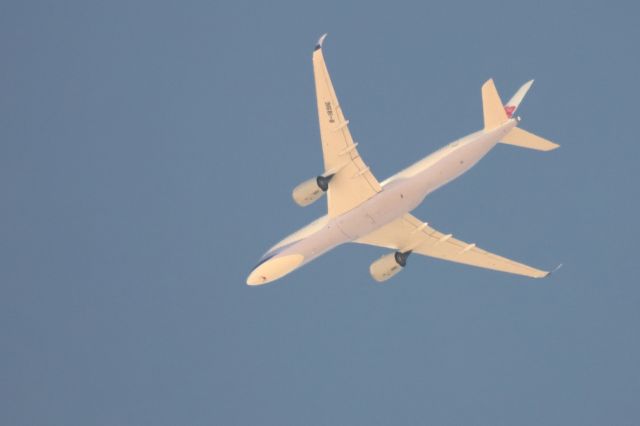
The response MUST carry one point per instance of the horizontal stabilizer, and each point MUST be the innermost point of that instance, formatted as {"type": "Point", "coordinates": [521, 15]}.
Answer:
{"type": "Point", "coordinates": [524, 139]}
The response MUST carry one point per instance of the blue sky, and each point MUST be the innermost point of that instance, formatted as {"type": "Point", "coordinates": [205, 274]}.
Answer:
{"type": "Point", "coordinates": [147, 155]}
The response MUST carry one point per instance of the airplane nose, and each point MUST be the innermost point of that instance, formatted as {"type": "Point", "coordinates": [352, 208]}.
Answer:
{"type": "Point", "coordinates": [274, 268]}
{"type": "Point", "coordinates": [256, 279]}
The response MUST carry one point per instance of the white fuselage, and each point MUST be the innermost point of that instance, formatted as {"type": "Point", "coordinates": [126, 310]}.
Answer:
{"type": "Point", "coordinates": [400, 194]}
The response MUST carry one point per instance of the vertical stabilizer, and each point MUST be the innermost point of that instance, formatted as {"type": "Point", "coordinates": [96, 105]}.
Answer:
{"type": "Point", "coordinates": [514, 102]}
{"type": "Point", "coordinates": [492, 108]}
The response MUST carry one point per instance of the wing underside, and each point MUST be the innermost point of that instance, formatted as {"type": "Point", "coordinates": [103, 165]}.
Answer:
{"type": "Point", "coordinates": [409, 233]}
{"type": "Point", "coordinates": [352, 182]}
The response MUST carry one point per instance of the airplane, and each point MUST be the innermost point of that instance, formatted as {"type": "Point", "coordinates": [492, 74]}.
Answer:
{"type": "Point", "coordinates": [362, 210]}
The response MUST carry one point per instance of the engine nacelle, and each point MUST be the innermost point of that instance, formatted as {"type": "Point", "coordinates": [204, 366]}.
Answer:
{"type": "Point", "coordinates": [311, 190]}
{"type": "Point", "coordinates": [388, 265]}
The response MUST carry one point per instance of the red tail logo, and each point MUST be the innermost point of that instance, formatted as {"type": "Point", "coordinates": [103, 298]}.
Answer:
{"type": "Point", "coordinates": [509, 109]}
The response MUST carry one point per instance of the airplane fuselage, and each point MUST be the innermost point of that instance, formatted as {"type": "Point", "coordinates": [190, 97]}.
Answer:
{"type": "Point", "coordinates": [400, 194]}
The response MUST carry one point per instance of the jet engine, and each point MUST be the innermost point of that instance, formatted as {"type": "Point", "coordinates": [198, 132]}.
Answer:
{"type": "Point", "coordinates": [388, 265]}
{"type": "Point", "coordinates": [309, 191]}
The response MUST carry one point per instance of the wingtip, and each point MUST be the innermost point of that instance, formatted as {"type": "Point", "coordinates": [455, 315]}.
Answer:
{"type": "Point", "coordinates": [320, 41]}
{"type": "Point", "coordinates": [553, 271]}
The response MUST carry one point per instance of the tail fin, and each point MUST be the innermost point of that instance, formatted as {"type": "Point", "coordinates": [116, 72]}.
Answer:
{"type": "Point", "coordinates": [492, 108]}
{"type": "Point", "coordinates": [524, 139]}
{"type": "Point", "coordinates": [511, 106]}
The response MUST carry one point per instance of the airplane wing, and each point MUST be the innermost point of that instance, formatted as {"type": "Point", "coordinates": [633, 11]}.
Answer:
{"type": "Point", "coordinates": [352, 182]}
{"type": "Point", "coordinates": [409, 233]}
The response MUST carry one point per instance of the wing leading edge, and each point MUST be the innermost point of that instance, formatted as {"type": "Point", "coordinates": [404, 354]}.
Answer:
{"type": "Point", "coordinates": [409, 233]}
{"type": "Point", "coordinates": [352, 182]}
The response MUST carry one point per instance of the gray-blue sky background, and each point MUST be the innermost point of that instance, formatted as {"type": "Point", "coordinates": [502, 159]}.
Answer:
{"type": "Point", "coordinates": [147, 154]}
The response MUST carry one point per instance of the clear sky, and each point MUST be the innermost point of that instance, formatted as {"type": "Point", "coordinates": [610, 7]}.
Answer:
{"type": "Point", "coordinates": [147, 154]}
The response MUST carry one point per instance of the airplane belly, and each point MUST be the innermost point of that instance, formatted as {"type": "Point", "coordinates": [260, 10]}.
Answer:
{"type": "Point", "coordinates": [319, 243]}
{"type": "Point", "coordinates": [454, 164]}
{"type": "Point", "coordinates": [355, 223]}
{"type": "Point", "coordinates": [384, 207]}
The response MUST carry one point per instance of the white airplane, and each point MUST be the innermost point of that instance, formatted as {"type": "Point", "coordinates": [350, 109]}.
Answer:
{"type": "Point", "coordinates": [365, 211]}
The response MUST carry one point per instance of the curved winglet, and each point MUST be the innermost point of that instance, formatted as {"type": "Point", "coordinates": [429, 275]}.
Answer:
{"type": "Point", "coordinates": [554, 270]}
{"type": "Point", "coordinates": [320, 41]}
